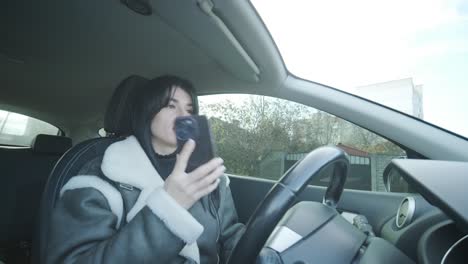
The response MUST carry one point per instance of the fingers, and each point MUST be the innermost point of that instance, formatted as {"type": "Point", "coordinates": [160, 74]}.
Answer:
{"type": "Point", "coordinates": [187, 189]}
{"type": "Point", "coordinates": [206, 168]}
{"type": "Point", "coordinates": [208, 189]}
{"type": "Point", "coordinates": [210, 178]}
{"type": "Point", "coordinates": [184, 156]}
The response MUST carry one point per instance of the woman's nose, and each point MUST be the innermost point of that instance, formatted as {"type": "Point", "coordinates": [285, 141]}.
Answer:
{"type": "Point", "coordinates": [183, 112]}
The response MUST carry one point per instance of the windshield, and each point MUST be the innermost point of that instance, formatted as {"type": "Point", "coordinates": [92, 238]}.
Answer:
{"type": "Point", "coordinates": [408, 55]}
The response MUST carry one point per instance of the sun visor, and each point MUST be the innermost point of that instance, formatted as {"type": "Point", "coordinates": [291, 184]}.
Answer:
{"type": "Point", "coordinates": [197, 20]}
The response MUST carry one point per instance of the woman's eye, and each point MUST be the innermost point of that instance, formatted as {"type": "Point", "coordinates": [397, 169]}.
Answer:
{"type": "Point", "coordinates": [171, 106]}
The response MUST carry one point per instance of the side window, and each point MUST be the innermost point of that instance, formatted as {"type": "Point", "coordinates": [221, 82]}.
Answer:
{"type": "Point", "coordinates": [263, 137]}
{"type": "Point", "coordinates": [20, 130]}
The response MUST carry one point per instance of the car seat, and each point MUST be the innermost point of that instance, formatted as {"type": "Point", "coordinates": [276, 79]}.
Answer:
{"type": "Point", "coordinates": [117, 125]}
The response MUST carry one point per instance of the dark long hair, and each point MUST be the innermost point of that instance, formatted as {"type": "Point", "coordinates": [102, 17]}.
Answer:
{"type": "Point", "coordinates": [149, 100]}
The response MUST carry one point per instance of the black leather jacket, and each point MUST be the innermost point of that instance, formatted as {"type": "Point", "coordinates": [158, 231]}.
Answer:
{"type": "Point", "coordinates": [116, 211]}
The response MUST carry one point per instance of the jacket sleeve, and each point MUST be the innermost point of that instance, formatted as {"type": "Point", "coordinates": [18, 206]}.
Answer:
{"type": "Point", "coordinates": [84, 230]}
{"type": "Point", "coordinates": [231, 228]}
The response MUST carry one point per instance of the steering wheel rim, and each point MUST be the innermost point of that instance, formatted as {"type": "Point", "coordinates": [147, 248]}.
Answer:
{"type": "Point", "coordinates": [283, 195]}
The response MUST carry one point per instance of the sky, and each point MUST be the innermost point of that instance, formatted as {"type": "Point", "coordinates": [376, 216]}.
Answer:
{"type": "Point", "coordinates": [345, 44]}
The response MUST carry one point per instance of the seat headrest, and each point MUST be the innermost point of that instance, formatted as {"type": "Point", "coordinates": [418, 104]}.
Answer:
{"type": "Point", "coordinates": [117, 118]}
{"type": "Point", "coordinates": [49, 144]}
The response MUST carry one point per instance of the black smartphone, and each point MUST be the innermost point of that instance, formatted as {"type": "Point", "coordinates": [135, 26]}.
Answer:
{"type": "Point", "coordinates": [197, 128]}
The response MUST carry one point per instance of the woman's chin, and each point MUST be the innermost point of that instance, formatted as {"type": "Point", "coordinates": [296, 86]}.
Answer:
{"type": "Point", "coordinates": [164, 148]}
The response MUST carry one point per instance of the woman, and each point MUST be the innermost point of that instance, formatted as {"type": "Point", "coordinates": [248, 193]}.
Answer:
{"type": "Point", "coordinates": [137, 204]}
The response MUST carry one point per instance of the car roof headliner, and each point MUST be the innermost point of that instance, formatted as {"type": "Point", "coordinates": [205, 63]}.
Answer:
{"type": "Point", "coordinates": [61, 60]}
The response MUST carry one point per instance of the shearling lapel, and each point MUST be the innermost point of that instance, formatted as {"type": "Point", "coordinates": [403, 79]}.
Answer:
{"type": "Point", "coordinates": [126, 162]}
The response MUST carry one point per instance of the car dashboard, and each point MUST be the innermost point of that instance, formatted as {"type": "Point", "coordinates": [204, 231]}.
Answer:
{"type": "Point", "coordinates": [431, 227]}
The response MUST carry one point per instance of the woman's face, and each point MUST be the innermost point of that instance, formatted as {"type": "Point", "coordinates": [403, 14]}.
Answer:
{"type": "Point", "coordinates": [162, 126]}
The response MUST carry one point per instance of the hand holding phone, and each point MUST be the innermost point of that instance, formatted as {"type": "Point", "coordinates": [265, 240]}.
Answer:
{"type": "Point", "coordinates": [188, 187]}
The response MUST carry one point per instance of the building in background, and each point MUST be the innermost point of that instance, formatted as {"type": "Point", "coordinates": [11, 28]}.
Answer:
{"type": "Point", "coordinates": [402, 95]}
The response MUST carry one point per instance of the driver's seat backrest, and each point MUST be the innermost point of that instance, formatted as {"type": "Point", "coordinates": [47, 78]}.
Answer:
{"type": "Point", "coordinates": [117, 125]}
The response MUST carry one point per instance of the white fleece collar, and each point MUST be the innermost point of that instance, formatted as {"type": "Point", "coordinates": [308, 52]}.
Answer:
{"type": "Point", "coordinates": [126, 162]}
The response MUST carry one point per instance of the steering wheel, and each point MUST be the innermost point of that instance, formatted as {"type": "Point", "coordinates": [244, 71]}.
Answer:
{"type": "Point", "coordinates": [283, 195]}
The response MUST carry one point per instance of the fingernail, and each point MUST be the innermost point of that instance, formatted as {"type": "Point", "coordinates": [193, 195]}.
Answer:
{"type": "Point", "coordinates": [190, 141]}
